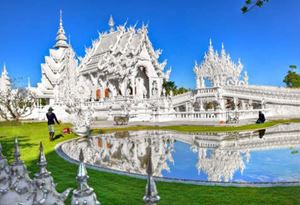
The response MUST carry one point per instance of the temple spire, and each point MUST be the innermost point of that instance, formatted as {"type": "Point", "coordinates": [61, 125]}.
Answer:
{"type": "Point", "coordinates": [151, 196]}
{"type": "Point", "coordinates": [42, 163]}
{"type": "Point", "coordinates": [17, 154]}
{"type": "Point", "coordinates": [61, 39]}
{"type": "Point", "coordinates": [223, 52]}
{"type": "Point", "coordinates": [210, 48]}
{"type": "Point", "coordinates": [83, 194]}
{"type": "Point", "coordinates": [4, 68]}
{"type": "Point", "coordinates": [1, 155]}
{"type": "Point", "coordinates": [111, 24]}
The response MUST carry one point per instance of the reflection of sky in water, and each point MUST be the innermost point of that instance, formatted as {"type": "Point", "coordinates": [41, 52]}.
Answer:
{"type": "Point", "coordinates": [272, 165]}
{"type": "Point", "coordinates": [184, 163]}
{"type": "Point", "coordinates": [264, 165]}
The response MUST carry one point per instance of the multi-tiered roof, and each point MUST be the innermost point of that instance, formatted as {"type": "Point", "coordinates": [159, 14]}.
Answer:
{"type": "Point", "coordinates": [117, 52]}
{"type": "Point", "coordinates": [59, 66]}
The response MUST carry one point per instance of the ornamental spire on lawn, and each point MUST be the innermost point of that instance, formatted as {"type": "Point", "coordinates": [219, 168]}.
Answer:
{"type": "Point", "coordinates": [151, 196]}
{"type": "Point", "coordinates": [61, 39]}
{"type": "Point", "coordinates": [1, 155]}
{"type": "Point", "coordinates": [17, 154]}
{"type": "Point", "coordinates": [83, 194]}
{"type": "Point", "coordinates": [45, 192]}
{"type": "Point", "coordinates": [42, 163]}
{"type": "Point", "coordinates": [4, 174]}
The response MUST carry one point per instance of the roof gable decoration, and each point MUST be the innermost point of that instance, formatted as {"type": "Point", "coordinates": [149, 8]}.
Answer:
{"type": "Point", "coordinates": [219, 69]}
{"type": "Point", "coordinates": [119, 50]}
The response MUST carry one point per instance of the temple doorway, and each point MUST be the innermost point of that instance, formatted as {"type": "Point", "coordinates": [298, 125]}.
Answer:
{"type": "Point", "coordinates": [106, 92]}
{"type": "Point", "coordinates": [98, 94]}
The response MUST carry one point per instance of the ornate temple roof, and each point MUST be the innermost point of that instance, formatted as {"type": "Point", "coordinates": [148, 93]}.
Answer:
{"type": "Point", "coordinates": [120, 49]}
{"type": "Point", "coordinates": [219, 69]}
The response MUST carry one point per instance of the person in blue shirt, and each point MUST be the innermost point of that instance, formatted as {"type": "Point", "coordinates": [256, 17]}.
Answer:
{"type": "Point", "coordinates": [51, 121]}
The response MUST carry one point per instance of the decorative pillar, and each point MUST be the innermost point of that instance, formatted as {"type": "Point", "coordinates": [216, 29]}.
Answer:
{"type": "Point", "coordinates": [83, 194]}
{"type": "Point", "coordinates": [243, 105]}
{"type": "Point", "coordinates": [201, 105]}
{"type": "Point", "coordinates": [222, 103]}
{"type": "Point", "coordinates": [151, 195]}
{"type": "Point", "coordinates": [45, 192]}
{"type": "Point", "coordinates": [263, 104]}
{"type": "Point", "coordinates": [235, 101]}
{"type": "Point", "coordinates": [4, 173]}
{"type": "Point", "coordinates": [21, 186]}
{"type": "Point", "coordinates": [250, 104]}
{"type": "Point", "coordinates": [150, 88]}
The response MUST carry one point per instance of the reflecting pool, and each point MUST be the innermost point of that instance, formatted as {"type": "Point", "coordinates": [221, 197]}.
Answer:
{"type": "Point", "coordinates": [270, 155]}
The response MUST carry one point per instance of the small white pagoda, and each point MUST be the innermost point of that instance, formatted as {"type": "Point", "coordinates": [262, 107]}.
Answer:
{"type": "Point", "coordinates": [5, 82]}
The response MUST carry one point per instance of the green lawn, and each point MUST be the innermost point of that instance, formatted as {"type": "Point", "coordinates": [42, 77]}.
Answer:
{"type": "Point", "coordinates": [114, 189]}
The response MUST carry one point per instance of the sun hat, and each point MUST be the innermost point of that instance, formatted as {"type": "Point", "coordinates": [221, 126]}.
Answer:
{"type": "Point", "coordinates": [50, 109]}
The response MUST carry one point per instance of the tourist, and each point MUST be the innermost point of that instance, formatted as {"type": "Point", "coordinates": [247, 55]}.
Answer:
{"type": "Point", "coordinates": [51, 117]}
{"type": "Point", "coordinates": [261, 118]}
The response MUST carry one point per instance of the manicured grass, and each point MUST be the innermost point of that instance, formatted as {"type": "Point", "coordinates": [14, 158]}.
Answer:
{"type": "Point", "coordinates": [113, 189]}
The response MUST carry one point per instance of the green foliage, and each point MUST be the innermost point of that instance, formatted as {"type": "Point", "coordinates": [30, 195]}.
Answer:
{"type": "Point", "coordinates": [292, 79]}
{"type": "Point", "coordinates": [43, 101]}
{"type": "Point", "coordinates": [170, 86]}
{"type": "Point", "coordinates": [180, 90]}
{"type": "Point", "coordinates": [249, 4]}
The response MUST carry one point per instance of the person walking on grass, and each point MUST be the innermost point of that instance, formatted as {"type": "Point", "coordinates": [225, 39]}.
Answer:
{"type": "Point", "coordinates": [51, 121]}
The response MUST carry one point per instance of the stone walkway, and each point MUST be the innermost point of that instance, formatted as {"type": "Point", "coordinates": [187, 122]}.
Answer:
{"type": "Point", "coordinates": [106, 124]}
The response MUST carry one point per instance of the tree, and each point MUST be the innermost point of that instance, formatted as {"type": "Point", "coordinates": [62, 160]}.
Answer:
{"type": "Point", "coordinates": [180, 90]}
{"type": "Point", "coordinates": [250, 4]}
{"type": "Point", "coordinates": [169, 86]}
{"type": "Point", "coordinates": [16, 103]}
{"type": "Point", "coordinates": [292, 79]}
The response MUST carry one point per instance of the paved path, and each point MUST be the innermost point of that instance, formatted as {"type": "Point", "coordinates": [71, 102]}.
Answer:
{"type": "Point", "coordinates": [102, 124]}
{"type": "Point", "coordinates": [105, 123]}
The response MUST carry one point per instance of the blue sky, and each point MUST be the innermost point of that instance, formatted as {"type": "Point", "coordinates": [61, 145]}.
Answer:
{"type": "Point", "coordinates": [266, 39]}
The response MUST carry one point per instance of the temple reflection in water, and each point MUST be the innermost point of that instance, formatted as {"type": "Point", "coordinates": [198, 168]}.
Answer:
{"type": "Point", "coordinates": [218, 156]}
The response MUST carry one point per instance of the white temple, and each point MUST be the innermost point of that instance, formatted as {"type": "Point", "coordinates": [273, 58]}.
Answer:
{"type": "Point", "coordinates": [121, 74]}
{"type": "Point", "coordinates": [120, 63]}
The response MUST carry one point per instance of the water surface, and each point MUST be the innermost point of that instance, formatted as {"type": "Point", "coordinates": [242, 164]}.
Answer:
{"type": "Point", "coordinates": [270, 155]}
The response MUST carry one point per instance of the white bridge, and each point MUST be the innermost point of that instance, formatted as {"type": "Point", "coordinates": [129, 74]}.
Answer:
{"type": "Point", "coordinates": [245, 100]}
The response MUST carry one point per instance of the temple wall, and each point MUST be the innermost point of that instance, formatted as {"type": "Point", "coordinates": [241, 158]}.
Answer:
{"type": "Point", "coordinates": [288, 111]}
